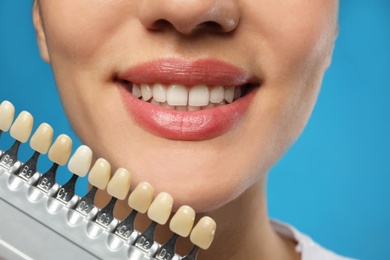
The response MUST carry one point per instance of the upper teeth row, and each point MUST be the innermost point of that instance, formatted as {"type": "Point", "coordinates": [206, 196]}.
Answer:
{"type": "Point", "coordinates": [179, 95]}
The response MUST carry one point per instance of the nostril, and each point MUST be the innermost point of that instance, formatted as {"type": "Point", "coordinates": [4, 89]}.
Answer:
{"type": "Point", "coordinates": [160, 25]}
{"type": "Point", "coordinates": [215, 16]}
{"type": "Point", "coordinates": [210, 26]}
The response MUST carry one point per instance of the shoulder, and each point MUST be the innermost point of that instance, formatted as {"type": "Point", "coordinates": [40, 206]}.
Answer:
{"type": "Point", "coordinates": [309, 249]}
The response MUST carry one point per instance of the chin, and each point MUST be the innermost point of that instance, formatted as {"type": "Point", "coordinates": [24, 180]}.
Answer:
{"type": "Point", "coordinates": [201, 193]}
{"type": "Point", "coordinates": [201, 184]}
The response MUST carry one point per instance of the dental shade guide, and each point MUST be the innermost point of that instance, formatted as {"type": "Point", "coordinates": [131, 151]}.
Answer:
{"type": "Point", "coordinates": [98, 177]}
{"type": "Point", "coordinates": [79, 165]}
{"type": "Point", "coordinates": [35, 205]}
{"type": "Point", "coordinates": [118, 187]}
{"type": "Point", "coordinates": [159, 212]}
{"type": "Point", "coordinates": [40, 142]}
{"type": "Point", "coordinates": [20, 131]}
{"type": "Point", "coordinates": [181, 225]}
{"type": "Point", "coordinates": [139, 200]}
{"type": "Point", "coordinates": [201, 236]}
{"type": "Point", "coordinates": [7, 113]}
{"type": "Point", "coordinates": [59, 154]}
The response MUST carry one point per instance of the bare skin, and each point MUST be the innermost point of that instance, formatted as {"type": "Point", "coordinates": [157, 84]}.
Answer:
{"type": "Point", "coordinates": [285, 47]}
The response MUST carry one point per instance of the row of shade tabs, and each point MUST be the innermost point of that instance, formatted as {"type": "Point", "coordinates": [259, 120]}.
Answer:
{"type": "Point", "coordinates": [140, 200]}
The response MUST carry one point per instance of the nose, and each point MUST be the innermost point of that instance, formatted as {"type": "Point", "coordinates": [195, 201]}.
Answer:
{"type": "Point", "coordinates": [189, 16]}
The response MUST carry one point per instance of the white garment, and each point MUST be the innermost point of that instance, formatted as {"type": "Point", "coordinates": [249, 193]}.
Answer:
{"type": "Point", "coordinates": [305, 245]}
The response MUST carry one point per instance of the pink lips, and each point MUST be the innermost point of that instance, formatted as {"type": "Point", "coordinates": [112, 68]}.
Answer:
{"type": "Point", "coordinates": [179, 125]}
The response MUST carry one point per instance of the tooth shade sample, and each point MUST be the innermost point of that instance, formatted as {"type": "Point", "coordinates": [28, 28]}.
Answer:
{"type": "Point", "coordinates": [100, 174]}
{"type": "Point", "coordinates": [177, 95]}
{"type": "Point", "coordinates": [136, 91]}
{"type": "Point", "coordinates": [217, 94]}
{"type": "Point", "coordinates": [7, 113]}
{"type": "Point", "coordinates": [81, 160]}
{"type": "Point", "coordinates": [199, 96]}
{"type": "Point", "coordinates": [203, 233]}
{"type": "Point", "coordinates": [119, 184]}
{"type": "Point", "coordinates": [161, 208]}
{"type": "Point", "coordinates": [229, 94]}
{"type": "Point", "coordinates": [146, 92]}
{"type": "Point", "coordinates": [183, 221]}
{"type": "Point", "coordinates": [60, 150]}
{"type": "Point", "coordinates": [159, 93]}
{"type": "Point", "coordinates": [141, 197]}
{"type": "Point", "coordinates": [22, 127]}
{"type": "Point", "coordinates": [42, 138]}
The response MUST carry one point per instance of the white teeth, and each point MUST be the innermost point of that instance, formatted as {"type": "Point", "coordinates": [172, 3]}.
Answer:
{"type": "Point", "coordinates": [199, 96]}
{"type": "Point", "coordinates": [7, 113]}
{"type": "Point", "coordinates": [81, 160]}
{"type": "Point", "coordinates": [136, 91]}
{"type": "Point", "coordinates": [229, 94]}
{"type": "Point", "coordinates": [177, 95]}
{"type": "Point", "coordinates": [166, 105]}
{"type": "Point", "coordinates": [217, 94]}
{"type": "Point", "coordinates": [181, 108]}
{"type": "Point", "coordinates": [159, 93]}
{"type": "Point", "coordinates": [210, 105]}
{"type": "Point", "coordinates": [22, 127]}
{"type": "Point", "coordinates": [192, 108]}
{"type": "Point", "coordinates": [146, 92]}
{"type": "Point", "coordinates": [154, 102]}
{"type": "Point", "coordinates": [42, 138]}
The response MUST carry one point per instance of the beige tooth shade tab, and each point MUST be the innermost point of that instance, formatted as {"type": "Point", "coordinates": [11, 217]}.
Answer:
{"type": "Point", "coordinates": [81, 160]}
{"type": "Point", "coordinates": [183, 221]}
{"type": "Point", "coordinates": [42, 138]}
{"type": "Point", "coordinates": [203, 233]}
{"type": "Point", "coordinates": [161, 208]}
{"type": "Point", "coordinates": [7, 113]}
{"type": "Point", "coordinates": [100, 174]}
{"type": "Point", "coordinates": [60, 150]}
{"type": "Point", "coordinates": [22, 127]}
{"type": "Point", "coordinates": [141, 197]}
{"type": "Point", "coordinates": [119, 184]}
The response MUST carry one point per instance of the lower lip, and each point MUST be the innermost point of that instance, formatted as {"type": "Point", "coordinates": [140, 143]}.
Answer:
{"type": "Point", "coordinates": [185, 126]}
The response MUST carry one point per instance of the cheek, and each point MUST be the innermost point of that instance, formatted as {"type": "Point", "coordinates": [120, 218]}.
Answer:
{"type": "Point", "coordinates": [293, 34]}
{"type": "Point", "coordinates": [295, 43]}
{"type": "Point", "coordinates": [78, 29]}
{"type": "Point", "coordinates": [80, 38]}
{"type": "Point", "coordinates": [291, 43]}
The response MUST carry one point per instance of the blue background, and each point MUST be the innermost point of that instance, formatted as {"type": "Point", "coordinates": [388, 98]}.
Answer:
{"type": "Point", "coordinates": [333, 184]}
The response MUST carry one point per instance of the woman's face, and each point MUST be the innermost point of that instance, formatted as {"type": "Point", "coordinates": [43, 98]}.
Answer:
{"type": "Point", "coordinates": [189, 52]}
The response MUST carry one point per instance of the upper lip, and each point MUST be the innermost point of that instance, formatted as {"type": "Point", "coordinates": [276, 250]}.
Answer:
{"type": "Point", "coordinates": [178, 71]}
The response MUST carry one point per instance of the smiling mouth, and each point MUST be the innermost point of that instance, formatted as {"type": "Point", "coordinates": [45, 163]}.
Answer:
{"type": "Point", "coordinates": [180, 97]}
{"type": "Point", "coordinates": [186, 100]}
